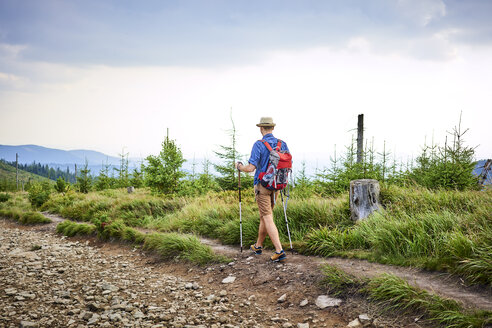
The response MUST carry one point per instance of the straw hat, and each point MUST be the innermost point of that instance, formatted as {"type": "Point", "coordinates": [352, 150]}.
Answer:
{"type": "Point", "coordinates": [266, 121]}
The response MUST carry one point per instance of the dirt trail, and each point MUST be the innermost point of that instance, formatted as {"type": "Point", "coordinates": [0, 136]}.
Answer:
{"type": "Point", "coordinates": [439, 283]}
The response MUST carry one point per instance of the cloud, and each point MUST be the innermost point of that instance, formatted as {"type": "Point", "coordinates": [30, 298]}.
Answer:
{"type": "Point", "coordinates": [422, 12]}
{"type": "Point", "coordinates": [11, 51]}
{"type": "Point", "coordinates": [222, 33]}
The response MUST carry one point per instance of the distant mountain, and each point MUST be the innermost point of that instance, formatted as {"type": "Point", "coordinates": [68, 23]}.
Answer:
{"type": "Point", "coordinates": [62, 159]}
{"type": "Point", "coordinates": [43, 155]}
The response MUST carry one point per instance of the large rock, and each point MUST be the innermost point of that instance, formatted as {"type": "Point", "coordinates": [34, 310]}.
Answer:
{"type": "Point", "coordinates": [364, 198]}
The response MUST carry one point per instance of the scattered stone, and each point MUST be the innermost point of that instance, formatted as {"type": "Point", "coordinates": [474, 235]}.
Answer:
{"type": "Point", "coordinates": [138, 315]}
{"type": "Point", "coordinates": [303, 325]}
{"type": "Point", "coordinates": [355, 323]}
{"type": "Point", "coordinates": [229, 280]}
{"type": "Point", "coordinates": [11, 291]}
{"type": "Point", "coordinates": [304, 302]}
{"type": "Point", "coordinates": [282, 298]}
{"type": "Point", "coordinates": [26, 324]}
{"type": "Point", "coordinates": [324, 301]}
{"type": "Point", "coordinates": [287, 325]}
{"type": "Point", "coordinates": [108, 287]}
{"type": "Point", "coordinates": [365, 320]}
{"type": "Point", "coordinates": [93, 307]}
{"type": "Point", "coordinates": [189, 285]}
{"type": "Point", "coordinates": [85, 315]}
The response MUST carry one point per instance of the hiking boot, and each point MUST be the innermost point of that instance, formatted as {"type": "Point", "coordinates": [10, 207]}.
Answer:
{"type": "Point", "coordinates": [256, 249]}
{"type": "Point", "coordinates": [277, 257]}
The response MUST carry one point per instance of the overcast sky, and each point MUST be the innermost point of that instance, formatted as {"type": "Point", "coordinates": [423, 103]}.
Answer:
{"type": "Point", "coordinates": [104, 75]}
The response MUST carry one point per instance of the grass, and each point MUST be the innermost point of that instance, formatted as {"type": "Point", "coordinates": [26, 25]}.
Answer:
{"type": "Point", "coordinates": [70, 228]}
{"type": "Point", "coordinates": [185, 247]}
{"type": "Point", "coordinates": [395, 294]}
{"type": "Point", "coordinates": [168, 245]}
{"type": "Point", "coordinates": [339, 283]}
{"type": "Point", "coordinates": [8, 181]}
{"type": "Point", "coordinates": [436, 230]}
{"type": "Point", "coordinates": [442, 230]}
{"type": "Point", "coordinates": [24, 217]}
{"type": "Point", "coordinates": [135, 209]}
{"type": "Point", "coordinates": [33, 218]}
{"type": "Point", "coordinates": [4, 196]}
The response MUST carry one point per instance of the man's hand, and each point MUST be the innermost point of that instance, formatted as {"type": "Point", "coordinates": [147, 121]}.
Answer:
{"type": "Point", "coordinates": [245, 168]}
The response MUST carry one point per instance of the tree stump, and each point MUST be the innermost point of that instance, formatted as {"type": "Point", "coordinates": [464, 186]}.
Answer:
{"type": "Point", "coordinates": [364, 198]}
{"type": "Point", "coordinates": [130, 189]}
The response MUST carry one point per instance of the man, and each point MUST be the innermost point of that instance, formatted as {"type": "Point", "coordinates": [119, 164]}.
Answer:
{"type": "Point", "coordinates": [265, 198]}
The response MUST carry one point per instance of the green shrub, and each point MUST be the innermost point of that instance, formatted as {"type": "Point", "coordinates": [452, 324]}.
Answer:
{"type": "Point", "coordinates": [62, 185]}
{"type": "Point", "coordinates": [39, 193]}
{"type": "Point", "coordinates": [33, 218]}
{"type": "Point", "coordinates": [4, 197]}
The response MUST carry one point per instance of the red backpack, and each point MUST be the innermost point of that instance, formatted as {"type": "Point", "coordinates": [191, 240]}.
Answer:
{"type": "Point", "coordinates": [279, 166]}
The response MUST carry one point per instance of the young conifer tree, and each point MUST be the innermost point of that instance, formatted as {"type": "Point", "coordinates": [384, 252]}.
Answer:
{"type": "Point", "coordinates": [104, 181]}
{"type": "Point", "coordinates": [228, 176]}
{"type": "Point", "coordinates": [84, 181]}
{"type": "Point", "coordinates": [163, 172]}
{"type": "Point", "coordinates": [123, 174]}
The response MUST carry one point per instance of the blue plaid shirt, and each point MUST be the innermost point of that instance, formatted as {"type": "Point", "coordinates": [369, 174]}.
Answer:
{"type": "Point", "coordinates": [260, 154]}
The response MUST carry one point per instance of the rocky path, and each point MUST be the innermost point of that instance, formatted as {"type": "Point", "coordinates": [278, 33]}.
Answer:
{"type": "Point", "coordinates": [49, 281]}
{"type": "Point", "coordinates": [439, 283]}
{"type": "Point", "coordinates": [445, 285]}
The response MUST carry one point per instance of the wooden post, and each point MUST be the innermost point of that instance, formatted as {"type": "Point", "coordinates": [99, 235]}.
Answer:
{"type": "Point", "coordinates": [17, 171]}
{"type": "Point", "coordinates": [360, 137]}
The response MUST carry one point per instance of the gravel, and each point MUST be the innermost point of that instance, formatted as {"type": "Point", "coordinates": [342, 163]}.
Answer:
{"type": "Point", "coordinates": [70, 284]}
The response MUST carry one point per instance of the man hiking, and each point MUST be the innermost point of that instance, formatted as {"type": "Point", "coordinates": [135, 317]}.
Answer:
{"type": "Point", "coordinates": [265, 198]}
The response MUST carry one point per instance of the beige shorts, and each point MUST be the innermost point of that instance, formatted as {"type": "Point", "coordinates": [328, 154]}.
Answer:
{"type": "Point", "coordinates": [265, 199]}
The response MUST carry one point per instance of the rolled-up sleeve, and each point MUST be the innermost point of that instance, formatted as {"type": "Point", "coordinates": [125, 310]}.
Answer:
{"type": "Point", "coordinates": [254, 159]}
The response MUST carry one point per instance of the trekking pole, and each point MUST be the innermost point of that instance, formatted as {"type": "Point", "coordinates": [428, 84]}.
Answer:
{"type": "Point", "coordinates": [284, 205]}
{"type": "Point", "coordinates": [240, 216]}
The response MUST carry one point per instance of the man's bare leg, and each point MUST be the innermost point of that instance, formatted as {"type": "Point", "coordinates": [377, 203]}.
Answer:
{"type": "Point", "coordinates": [262, 233]}
{"type": "Point", "coordinates": [271, 230]}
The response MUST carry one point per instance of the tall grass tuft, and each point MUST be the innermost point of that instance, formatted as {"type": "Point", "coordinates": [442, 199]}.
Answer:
{"type": "Point", "coordinates": [33, 218]}
{"type": "Point", "coordinates": [23, 217]}
{"type": "Point", "coordinates": [176, 246]}
{"type": "Point", "coordinates": [70, 228]}
{"type": "Point", "coordinates": [396, 294]}
{"type": "Point", "coordinates": [440, 230]}
{"type": "Point", "coordinates": [338, 282]}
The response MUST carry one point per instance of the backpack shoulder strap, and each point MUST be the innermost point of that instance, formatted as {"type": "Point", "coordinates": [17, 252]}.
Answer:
{"type": "Point", "coordinates": [279, 144]}
{"type": "Point", "coordinates": [266, 144]}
